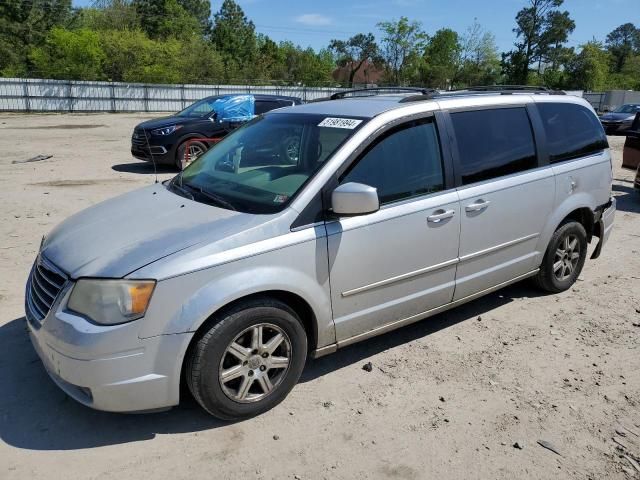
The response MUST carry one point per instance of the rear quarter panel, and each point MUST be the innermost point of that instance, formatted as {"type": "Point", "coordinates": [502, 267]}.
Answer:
{"type": "Point", "coordinates": [580, 183]}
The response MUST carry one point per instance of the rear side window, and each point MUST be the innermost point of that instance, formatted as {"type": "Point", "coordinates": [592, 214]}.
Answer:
{"type": "Point", "coordinates": [403, 163]}
{"type": "Point", "coordinates": [572, 131]}
{"type": "Point", "coordinates": [493, 143]}
{"type": "Point", "coordinates": [264, 106]}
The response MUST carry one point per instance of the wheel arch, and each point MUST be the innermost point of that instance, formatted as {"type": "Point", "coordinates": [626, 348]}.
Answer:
{"type": "Point", "coordinates": [579, 207]}
{"type": "Point", "coordinates": [298, 304]}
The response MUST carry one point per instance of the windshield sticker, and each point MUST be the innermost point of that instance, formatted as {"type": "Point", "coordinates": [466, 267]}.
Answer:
{"type": "Point", "coordinates": [333, 122]}
{"type": "Point", "coordinates": [280, 198]}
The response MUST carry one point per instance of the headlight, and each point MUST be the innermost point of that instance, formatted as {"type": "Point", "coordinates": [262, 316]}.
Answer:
{"type": "Point", "coordinates": [166, 130]}
{"type": "Point", "coordinates": [110, 302]}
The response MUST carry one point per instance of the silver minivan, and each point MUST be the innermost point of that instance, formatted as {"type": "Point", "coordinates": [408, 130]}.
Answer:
{"type": "Point", "coordinates": [311, 228]}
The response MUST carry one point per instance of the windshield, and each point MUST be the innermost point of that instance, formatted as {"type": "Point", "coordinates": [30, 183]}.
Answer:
{"type": "Point", "coordinates": [631, 108]}
{"type": "Point", "coordinates": [199, 109]}
{"type": "Point", "coordinates": [261, 166]}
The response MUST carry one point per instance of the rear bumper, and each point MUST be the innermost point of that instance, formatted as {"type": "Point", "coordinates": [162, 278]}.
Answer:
{"type": "Point", "coordinates": [604, 226]}
{"type": "Point", "coordinates": [109, 367]}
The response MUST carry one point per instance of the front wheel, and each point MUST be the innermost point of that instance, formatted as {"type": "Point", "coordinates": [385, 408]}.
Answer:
{"type": "Point", "coordinates": [248, 361]}
{"type": "Point", "coordinates": [185, 157]}
{"type": "Point", "coordinates": [564, 258]}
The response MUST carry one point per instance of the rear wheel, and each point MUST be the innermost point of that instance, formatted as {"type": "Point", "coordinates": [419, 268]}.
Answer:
{"type": "Point", "coordinates": [248, 361]}
{"type": "Point", "coordinates": [564, 258]}
{"type": "Point", "coordinates": [185, 156]}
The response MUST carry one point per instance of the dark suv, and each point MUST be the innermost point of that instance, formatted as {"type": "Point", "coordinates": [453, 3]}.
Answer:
{"type": "Point", "coordinates": [165, 140]}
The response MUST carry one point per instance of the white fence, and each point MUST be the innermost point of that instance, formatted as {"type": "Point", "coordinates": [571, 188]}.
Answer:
{"type": "Point", "coordinates": [37, 95]}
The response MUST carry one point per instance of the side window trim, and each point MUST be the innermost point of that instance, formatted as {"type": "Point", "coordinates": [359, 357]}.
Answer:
{"type": "Point", "coordinates": [457, 167]}
{"type": "Point", "coordinates": [389, 130]}
{"type": "Point", "coordinates": [539, 135]}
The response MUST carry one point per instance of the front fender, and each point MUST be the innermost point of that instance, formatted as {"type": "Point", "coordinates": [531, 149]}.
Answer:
{"type": "Point", "coordinates": [184, 303]}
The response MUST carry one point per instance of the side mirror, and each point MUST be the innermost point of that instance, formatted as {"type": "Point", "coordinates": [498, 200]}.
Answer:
{"type": "Point", "coordinates": [354, 199]}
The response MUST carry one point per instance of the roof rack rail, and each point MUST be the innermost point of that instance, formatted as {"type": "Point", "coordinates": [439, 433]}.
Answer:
{"type": "Point", "coordinates": [343, 94]}
{"type": "Point", "coordinates": [488, 89]}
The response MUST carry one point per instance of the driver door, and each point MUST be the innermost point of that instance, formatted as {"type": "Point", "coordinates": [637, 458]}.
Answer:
{"type": "Point", "coordinates": [400, 261]}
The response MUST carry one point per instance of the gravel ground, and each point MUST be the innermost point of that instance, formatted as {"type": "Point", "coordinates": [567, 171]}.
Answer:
{"type": "Point", "coordinates": [466, 394]}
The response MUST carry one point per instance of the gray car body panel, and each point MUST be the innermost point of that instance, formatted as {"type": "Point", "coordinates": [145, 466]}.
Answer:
{"type": "Point", "coordinates": [205, 258]}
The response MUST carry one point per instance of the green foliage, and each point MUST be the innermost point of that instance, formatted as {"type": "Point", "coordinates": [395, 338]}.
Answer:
{"type": "Point", "coordinates": [623, 43]}
{"type": "Point", "coordinates": [403, 44]}
{"type": "Point", "coordinates": [234, 36]}
{"type": "Point", "coordinates": [589, 70]}
{"type": "Point", "coordinates": [178, 41]}
{"type": "Point", "coordinates": [66, 54]}
{"type": "Point", "coordinates": [541, 30]}
{"type": "Point", "coordinates": [23, 24]}
{"type": "Point", "coordinates": [441, 59]}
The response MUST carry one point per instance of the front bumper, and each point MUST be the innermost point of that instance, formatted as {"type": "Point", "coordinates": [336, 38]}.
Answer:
{"type": "Point", "coordinates": [108, 367]}
{"type": "Point", "coordinates": [161, 154]}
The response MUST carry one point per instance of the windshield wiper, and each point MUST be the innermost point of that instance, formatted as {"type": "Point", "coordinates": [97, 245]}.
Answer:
{"type": "Point", "coordinates": [211, 196]}
{"type": "Point", "coordinates": [181, 189]}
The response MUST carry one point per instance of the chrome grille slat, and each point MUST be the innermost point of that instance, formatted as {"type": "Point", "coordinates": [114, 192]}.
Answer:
{"type": "Point", "coordinates": [45, 285]}
{"type": "Point", "coordinates": [48, 292]}
{"type": "Point", "coordinates": [35, 306]}
{"type": "Point", "coordinates": [48, 279]}
{"type": "Point", "coordinates": [39, 296]}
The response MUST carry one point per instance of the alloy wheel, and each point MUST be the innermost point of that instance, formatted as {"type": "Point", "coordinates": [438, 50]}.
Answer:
{"type": "Point", "coordinates": [255, 363]}
{"type": "Point", "coordinates": [566, 257]}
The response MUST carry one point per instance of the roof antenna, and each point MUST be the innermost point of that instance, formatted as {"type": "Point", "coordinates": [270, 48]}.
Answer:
{"type": "Point", "coordinates": [153, 160]}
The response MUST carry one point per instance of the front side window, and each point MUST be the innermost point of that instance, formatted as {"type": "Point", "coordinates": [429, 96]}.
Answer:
{"type": "Point", "coordinates": [261, 166]}
{"type": "Point", "coordinates": [199, 109]}
{"type": "Point", "coordinates": [572, 131]}
{"type": "Point", "coordinates": [404, 163]}
{"type": "Point", "coordinates": [493, 143]}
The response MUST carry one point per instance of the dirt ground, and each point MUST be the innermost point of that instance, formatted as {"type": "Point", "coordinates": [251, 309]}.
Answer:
{"type": "Point", "coordinates": [448, 398]}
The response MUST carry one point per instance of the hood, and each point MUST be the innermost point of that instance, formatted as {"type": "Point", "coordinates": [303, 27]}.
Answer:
{"type": "Point", "coordinates": [617, 116]}
{"type": "Point", "coordinates": [164, 122]}
{"type": "Point", "coordinates": [121, 235]}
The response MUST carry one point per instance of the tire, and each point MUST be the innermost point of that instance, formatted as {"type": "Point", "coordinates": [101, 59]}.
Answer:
{"type": "Point", "coordinates": [212, 356]}
{"type": "Point", "coordinates": [559, 271]}
{"type": "Point", "coordinates": [181, 161]}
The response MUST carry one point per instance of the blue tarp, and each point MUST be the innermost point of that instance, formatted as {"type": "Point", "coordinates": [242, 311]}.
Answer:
{"type": "Point", "coordinates": [234, 108]}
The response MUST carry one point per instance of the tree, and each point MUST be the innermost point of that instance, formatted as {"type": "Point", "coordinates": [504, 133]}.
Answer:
{"type": "Point", "coordinates": [590, 68]}
{"type": "Point", "coordinates": [24, 24]}
{"type": "Point", "coordinates": [403, 43]}
{"type": "Point", "coordinates": [622, 43]}
{"type": "Point", "coordinates": [169, 18]}
{"type": "Point", "coordinates": [479, 60]}
{"type": "Point", "coordinates": [538, 27]}
{"type": "Point", "coordinates": [109, 15]}
{"type": "Point", "coordinates": [233, 35]}
{"type": "Point", "coordinates": [355, 52]}
{"type": "Point", "coordinates": [441, 59]}
{"type": "Point", "coordinates": [65, 54]}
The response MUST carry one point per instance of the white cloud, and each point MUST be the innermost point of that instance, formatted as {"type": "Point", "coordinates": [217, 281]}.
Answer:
{"type": "Point", "coordinates": [314, 19]}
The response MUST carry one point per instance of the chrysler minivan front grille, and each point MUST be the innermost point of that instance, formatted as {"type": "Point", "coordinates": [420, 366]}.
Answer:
{"type": "Point", "coordinates": [45, 284]}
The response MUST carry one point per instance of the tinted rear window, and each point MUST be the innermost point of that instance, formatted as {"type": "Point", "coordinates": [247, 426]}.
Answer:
{"type": "Point", "coordinates": [572, 131]}
{"type": "Point", "coordinates": [264, 106]}
{"type": "Point", "coordinates": [493, 143]}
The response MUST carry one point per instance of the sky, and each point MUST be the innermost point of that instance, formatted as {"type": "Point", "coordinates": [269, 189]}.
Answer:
{"type": "Point", "coordinates": [315, 23]}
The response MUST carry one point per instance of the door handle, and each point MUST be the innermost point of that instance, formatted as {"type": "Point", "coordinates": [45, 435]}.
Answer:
{"type": "Point", "coordinates": [440, 215]}
{"type": "Point", "coordinates": [477, 206]}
